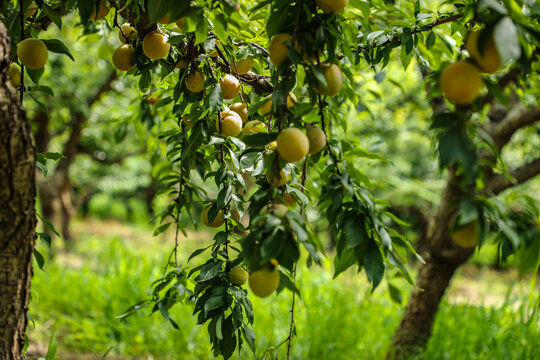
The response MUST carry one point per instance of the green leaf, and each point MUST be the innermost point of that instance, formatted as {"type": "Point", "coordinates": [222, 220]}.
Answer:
{"type": "Point", "coordinates": [506, 39]}
{"type": "Point", "coordinates": [260, 139]}
{"type": "Point", "coordinates": [210, 270]}
{"type": "Point", "coordinates": [455, 145]}
{"type": "Point", "coordinates": [214, 303]}
{"type": "Point", "coordinates": [39, 259]}
{"type": "Point", "coordinates": [249, 336]}
{"type": "Point", "coordinates": [201, 34]}
{"type": "Point", "coordinates": [430, 40]}
{"type": "Point", "coordinates": [49, 156]}
{"type": "Point", "coordinates": [57, 46]}
{"type": "Point", "coordinates": [35, 75]}
{"type": "Point", "coordinates": [160, 229]}
{"type": "Point", "coordinates": [395, 294]}
{"type": "Point", "coordinates": [374, 264]}
{"type": "Point", "coordinates": [196, 253]}
{"type": "Point", "coordinates": [144, 81]}
{"type": "Point", "coordinates": [48, 224]}
{"type": "Point", "coordinates": [343, 261]}
{"type": "Point", "coordinates": [85, 10]}
{"type": "Point", "coordinates": [215, 100]}
{"type": "Point", "coordinates": [444, 119]}
{"type": "Point", "coordinates": [157, 9]}
{"type": "Point", "coordinates": [354, 230]}
{"type": "Point", "coordinates": [56, 19]}
{"type": "Point", "coordinates": [53, 347]}
{"type": "Point", "coordinates": [45, 238]}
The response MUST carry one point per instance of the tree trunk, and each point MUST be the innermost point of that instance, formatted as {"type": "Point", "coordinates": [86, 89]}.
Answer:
{"type": "Point", "coordinates": [442, 258]}
{"type": "Point", "coordinates": [416, 324]}
{"type": "Point", "coordinates": [17, 212]}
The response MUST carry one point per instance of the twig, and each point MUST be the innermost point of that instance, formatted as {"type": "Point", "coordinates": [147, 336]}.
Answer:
{"type": "Point", "coordinates": [323, 127]}
{"type": "Point", "coordinates": [291, 328]}
{"type": "Point", "coordinates": [438, 22]}
{"type": "Point", "coordinates": [115, 24]}
{"type": "Point", "coordinates": [297, 21]}
{"type": "Point", "coordinates": [254, 45]}
{"type": "Point", "coordinates": [242, 98]}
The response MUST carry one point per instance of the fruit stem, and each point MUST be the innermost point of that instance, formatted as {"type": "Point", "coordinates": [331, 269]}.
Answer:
{"type": "Point", "coordinates": [115, 24]}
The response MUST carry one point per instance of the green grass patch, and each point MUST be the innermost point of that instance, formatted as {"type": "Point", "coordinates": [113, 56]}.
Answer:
{"type": "Point", "coordinates": [82, 293]}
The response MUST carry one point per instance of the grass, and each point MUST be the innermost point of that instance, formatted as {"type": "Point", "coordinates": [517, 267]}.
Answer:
{"type": "Point", "coordinates": [111, 267]}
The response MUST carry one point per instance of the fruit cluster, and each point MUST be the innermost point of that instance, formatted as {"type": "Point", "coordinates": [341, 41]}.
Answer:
{"type": "Point", "coordinates": [461, 81]}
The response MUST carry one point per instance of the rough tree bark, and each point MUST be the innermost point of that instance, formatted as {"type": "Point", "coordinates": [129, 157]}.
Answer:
{"type": "Point", "coordinates": [442, 259]}
{"type": "Point", "coordinates": [442, 256]}
{"type": "Point", "coordinates": [17, 212]}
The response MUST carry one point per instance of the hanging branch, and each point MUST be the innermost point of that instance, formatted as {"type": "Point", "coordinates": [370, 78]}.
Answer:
{"type": "Point", "coordinates": [292, 326]}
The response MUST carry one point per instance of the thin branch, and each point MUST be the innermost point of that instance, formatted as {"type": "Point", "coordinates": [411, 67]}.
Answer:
{"type": "Point", "coordinates": [440, 21]}
{"type": "Point", "coordinates": [117, 160]}
{"type": "Point", "coordinates": [291, 328]}
{"type": "Point", "coordinates": [257, 82]}
{"type": "Point", "coordinates": [323, 128]}
{"type": "Point", "coordinates": [254, 45]}
{"type": "Point", "coordinates": [519, 175]}
{"type": "Point", "coordinates": [78, 120]}
{"type": "Point", "coordinates": [106, 86]}
{"type": "Point", "coordinates": [517, 118]}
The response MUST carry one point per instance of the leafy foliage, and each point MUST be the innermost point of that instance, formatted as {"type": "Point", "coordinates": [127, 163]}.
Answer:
{"type": "Point", "coordinates": [210, 38]}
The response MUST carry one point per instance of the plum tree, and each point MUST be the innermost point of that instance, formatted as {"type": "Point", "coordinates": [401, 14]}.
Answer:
{"type": "Point", "coordinates": [330, 55]}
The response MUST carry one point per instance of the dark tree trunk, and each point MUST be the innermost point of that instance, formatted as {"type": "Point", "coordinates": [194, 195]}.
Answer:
{"type": "Point", "coordinates": [17, 212]}
{"type": "Point", "coordinates": [416, 324]}
{"type": "Point", "coordinates": [442, 258]}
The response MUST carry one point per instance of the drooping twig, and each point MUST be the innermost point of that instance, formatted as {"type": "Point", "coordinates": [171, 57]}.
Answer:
{"type": "Point", "coordinates": [323, 128]}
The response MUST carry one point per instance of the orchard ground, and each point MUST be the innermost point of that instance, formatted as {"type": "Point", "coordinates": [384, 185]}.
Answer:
{"type": "Point", "coordinates": [489, 313]}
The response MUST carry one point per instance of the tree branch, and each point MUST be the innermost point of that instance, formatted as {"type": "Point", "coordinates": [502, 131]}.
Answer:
{"type": "Point", "coordinates": [81, 149]}
{"type": "Point", "coordinates": [517, 118]}
{"type": "Point", "coordinates": [417, 29]}
{"type": "Point", "coordinates": [257, 82]}
{"type": "Point", "coordinates": [78, 120]}
{"type": "Point", "coordinates": [519, 175]}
